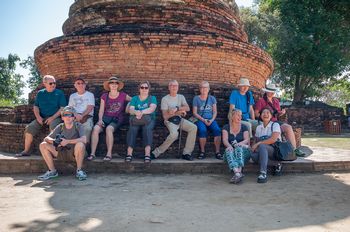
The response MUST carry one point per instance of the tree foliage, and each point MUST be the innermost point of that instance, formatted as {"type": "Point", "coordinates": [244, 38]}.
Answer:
{"type": "Point", "coordinates": [308, 40]}
{"type": "Point", "coordinates": [11, 83]}
{"type": "Point", "coordinates": [34, 78]}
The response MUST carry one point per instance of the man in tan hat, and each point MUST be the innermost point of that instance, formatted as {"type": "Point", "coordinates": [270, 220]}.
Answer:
{"type": "Point", "coordinates": [69, 138]}
{"type": "Point", "coordinates": [243, 100]}
{"type": "Point", "coordinates": [83, 103]}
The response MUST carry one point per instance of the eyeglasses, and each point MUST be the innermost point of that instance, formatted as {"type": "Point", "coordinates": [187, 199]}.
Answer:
{"type": "Point", "coordinates": [68, 115]}
{"type": "Point", "coordinates": [143, 87]}
{"type": "Point", "coordinates": [114, 82]}
{"type": "Point", "coordinates": [51, 83]}
{"type": "Point", "coordinates": [80, 83]}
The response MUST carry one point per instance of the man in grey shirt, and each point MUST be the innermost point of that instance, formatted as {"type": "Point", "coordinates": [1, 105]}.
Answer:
{"type": "Point", "coordinates": [174, 107]}
{"type": "Point", "coordinates": [69, 138]}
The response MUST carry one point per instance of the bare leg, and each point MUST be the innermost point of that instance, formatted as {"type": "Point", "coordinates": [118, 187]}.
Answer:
{"type": "Point", "coordinates": [202, 142]}
{"type": "Point", "coordinates": [28, 140]}
{"type": "Point", "coordinates": [130, 150]}
{"type": "Point", "coordinates": [289, 133]}
{"type": "Point", "coordinates": [79, 152]}
{"type": "Point", "coordinates": [109, 140]}
{"type": "Point", "coordinates": [94, 138]}
{"type": "Point", "coordinates": [47, 151]}
{"type": "Point", "coordinates": [217, 143]}
{"type": "Point", "coordinates": [147, 150]}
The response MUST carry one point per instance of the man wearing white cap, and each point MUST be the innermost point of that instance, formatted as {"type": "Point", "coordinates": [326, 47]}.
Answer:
{"type": "Point", "coordinates": [243, 100]}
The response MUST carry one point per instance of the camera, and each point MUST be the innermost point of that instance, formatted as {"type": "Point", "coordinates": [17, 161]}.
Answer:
{"type": "Point", "coordinates": [57, 140]}
{"type": "Point", "coordinates": [234, 144]}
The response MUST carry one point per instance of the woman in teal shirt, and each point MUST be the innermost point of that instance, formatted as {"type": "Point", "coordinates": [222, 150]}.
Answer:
{"type": "Point", "coordinates": [142, 115]}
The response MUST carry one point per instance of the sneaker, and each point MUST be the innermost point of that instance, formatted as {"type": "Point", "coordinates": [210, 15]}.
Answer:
{"type": "Point", "coordinates": [48, 175]}
{"type": "Point", "coordinates": [187, 157]}
{"type": "Point", "coordinates": [277, 170]}
{"type": "Point", "coordinates": [299, 152]}
{"type": "Point", "coordinates": [81, 175]}
{"type": "Point", "coordinates": [237, 178]}
{"type": "Point", "coordinates": [262, 178]}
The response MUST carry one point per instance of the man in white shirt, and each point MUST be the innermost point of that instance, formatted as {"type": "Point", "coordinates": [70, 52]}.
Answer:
{"type": "Point", "coordinates": [174, 107]}
{"type": "Point", "coordinates": [83, 103]}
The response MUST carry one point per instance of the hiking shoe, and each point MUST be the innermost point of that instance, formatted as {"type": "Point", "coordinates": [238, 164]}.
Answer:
{"type": "Point", "coordinates": [262, 178]}
{"type": "Point", "coordinates": [81, 175]}
{"type": "Point", "coordinates": [277, 170]}
{"type": "Point", "coordinates": [187, 157]}
{"type": "Point", "coordinates": [48, 175]}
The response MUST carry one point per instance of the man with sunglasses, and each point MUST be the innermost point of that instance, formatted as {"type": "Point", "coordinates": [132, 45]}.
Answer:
{"type": "Point", "coordinates": [83, 103]}
{"type": "Point", "coordinates": [47, 106]}
{"type": "Point", "coordinates": [69, 139]}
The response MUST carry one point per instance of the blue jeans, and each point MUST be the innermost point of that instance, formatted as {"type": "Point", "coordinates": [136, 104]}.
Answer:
{"type": "Point", "coordinates": [203, 129]}
{"type": "Point", "coordinates": [147, 134]}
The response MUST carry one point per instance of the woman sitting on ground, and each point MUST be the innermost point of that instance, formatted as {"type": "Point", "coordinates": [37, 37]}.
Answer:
{"type": "Point", "coordinates": [205, 110]}
{"type": "Point", "coordinates": [269, 100]}
{"type": "Point", "coordinates": [235, 137]}
{"type": "Point", "coordinates": [111, 115]}
{"type": "Point", "coordinates": [266, 135]}
{"type": "Point", "coordinates": [142, 110]}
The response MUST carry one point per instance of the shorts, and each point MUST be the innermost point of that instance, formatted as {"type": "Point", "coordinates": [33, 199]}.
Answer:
{"type": "Point", "coordinates": [34, 127]}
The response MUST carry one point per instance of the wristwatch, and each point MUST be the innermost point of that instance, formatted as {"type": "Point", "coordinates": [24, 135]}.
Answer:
{"type": "Point", "coordinates": [177, 108]}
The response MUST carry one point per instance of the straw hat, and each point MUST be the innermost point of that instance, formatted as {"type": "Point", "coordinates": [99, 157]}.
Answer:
{"type": "Point", "coordinates": [270, 88]}
{"type": "Point", "coordinates": [106, 83]}
{"type": "Point", "coordinates": [243, 82]}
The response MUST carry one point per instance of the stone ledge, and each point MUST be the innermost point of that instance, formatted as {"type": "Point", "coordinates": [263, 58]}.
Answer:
{"type": "Point", "coordinates": [35, 164]}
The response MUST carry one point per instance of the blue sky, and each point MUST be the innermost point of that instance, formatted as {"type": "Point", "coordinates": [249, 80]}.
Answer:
{"type": "Point", "coordinates": [26, 24]}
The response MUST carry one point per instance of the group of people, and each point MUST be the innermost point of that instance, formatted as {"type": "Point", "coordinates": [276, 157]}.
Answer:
{"type": "Point", "coordinates": [77, 130]}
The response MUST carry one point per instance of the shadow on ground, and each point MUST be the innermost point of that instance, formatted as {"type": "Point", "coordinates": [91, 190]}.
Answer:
{"type": "Point", "coordinates": [313, 202]}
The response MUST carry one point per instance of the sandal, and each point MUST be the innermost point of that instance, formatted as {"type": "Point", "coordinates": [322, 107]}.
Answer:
{"type": "Point", "coordinates": [147, 160]}
{"type": "Point", "coordinates": [219, 156]}
{"type": "Point", "coordinates": [22, 154]}
{"type": "Point", "coordinates": [128, 158]}
{"type": "Point", "coordinates": [201, 156]}
{"type": "Point", "coordinates": [91, 157]}
{"type": "Point", "coordinates": [107, 158]}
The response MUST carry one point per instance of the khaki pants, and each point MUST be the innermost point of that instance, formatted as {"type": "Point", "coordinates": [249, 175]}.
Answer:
{"type": "Point", "coordinates": [88, 125]}
{"type": "Point", "coordinates": [187, 126]}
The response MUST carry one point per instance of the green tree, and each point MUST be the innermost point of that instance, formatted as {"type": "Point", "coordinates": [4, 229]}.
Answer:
{"type": "Point", "coordinates": [11, 83]}
{"type": "Point", "coordinates": [34, 78]}
{"type": "Point", "coordinates": [311, 47]}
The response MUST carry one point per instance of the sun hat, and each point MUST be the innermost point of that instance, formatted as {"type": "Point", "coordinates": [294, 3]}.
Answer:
{"type": "Point", "coordinates": [243, 82]}
{"type": "Point", "coordinates": [270, 88]}
{"type": "Point", "coordinates": [68, 109]}
{"type": "Point", "coordinates": [113, 78]}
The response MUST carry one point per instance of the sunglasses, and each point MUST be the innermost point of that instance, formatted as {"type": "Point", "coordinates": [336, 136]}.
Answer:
{"type": "Point", "coordinates": [80, 83]}
{"type": "Point", "coordinates": [68, 115]}
{"type": "Point", "coordinates": [143, 87]}
{"type": "Point", "coordinates": [114, 82]}
{"type": "Point", "coordinates": [52, 83]}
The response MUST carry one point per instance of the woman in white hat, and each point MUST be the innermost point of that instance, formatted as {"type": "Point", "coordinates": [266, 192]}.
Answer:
{"type": "Point", "coordinates": [269, 100]}
{"type": "Point", "coordinates": [111, 115]}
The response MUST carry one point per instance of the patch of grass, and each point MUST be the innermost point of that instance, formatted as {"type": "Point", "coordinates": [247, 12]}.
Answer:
{"type": "Point", "coordinates": [341, 142]}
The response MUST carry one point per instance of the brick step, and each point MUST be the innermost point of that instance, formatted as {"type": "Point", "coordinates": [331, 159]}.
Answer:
{"type": "Point", "coordinates": [12, 140]}
{"type": "Point", "coordinates": [35, 164]}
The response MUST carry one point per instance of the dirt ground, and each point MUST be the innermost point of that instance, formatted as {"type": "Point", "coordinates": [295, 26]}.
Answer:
{"type": "Point", "coordinates": [302, 202]}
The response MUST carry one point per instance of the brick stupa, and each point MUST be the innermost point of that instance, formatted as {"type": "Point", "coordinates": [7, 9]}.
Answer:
{"type": "Point", "coordinates": [156, 40]}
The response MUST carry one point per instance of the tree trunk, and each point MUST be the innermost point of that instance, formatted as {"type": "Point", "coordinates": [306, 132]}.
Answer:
{"type": "Point", "coordinates": [298, 92]}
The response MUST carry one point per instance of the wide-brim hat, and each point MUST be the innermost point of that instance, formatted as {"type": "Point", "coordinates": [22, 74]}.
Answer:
{"type": "Point", "coordinates": [106, 83]}
{"type": "Point", "coordinates": [270, 88]}
{"type": "Point", "coordinates": [68, 109]}
{"type": "Point", "coordinates": [243, 82]}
